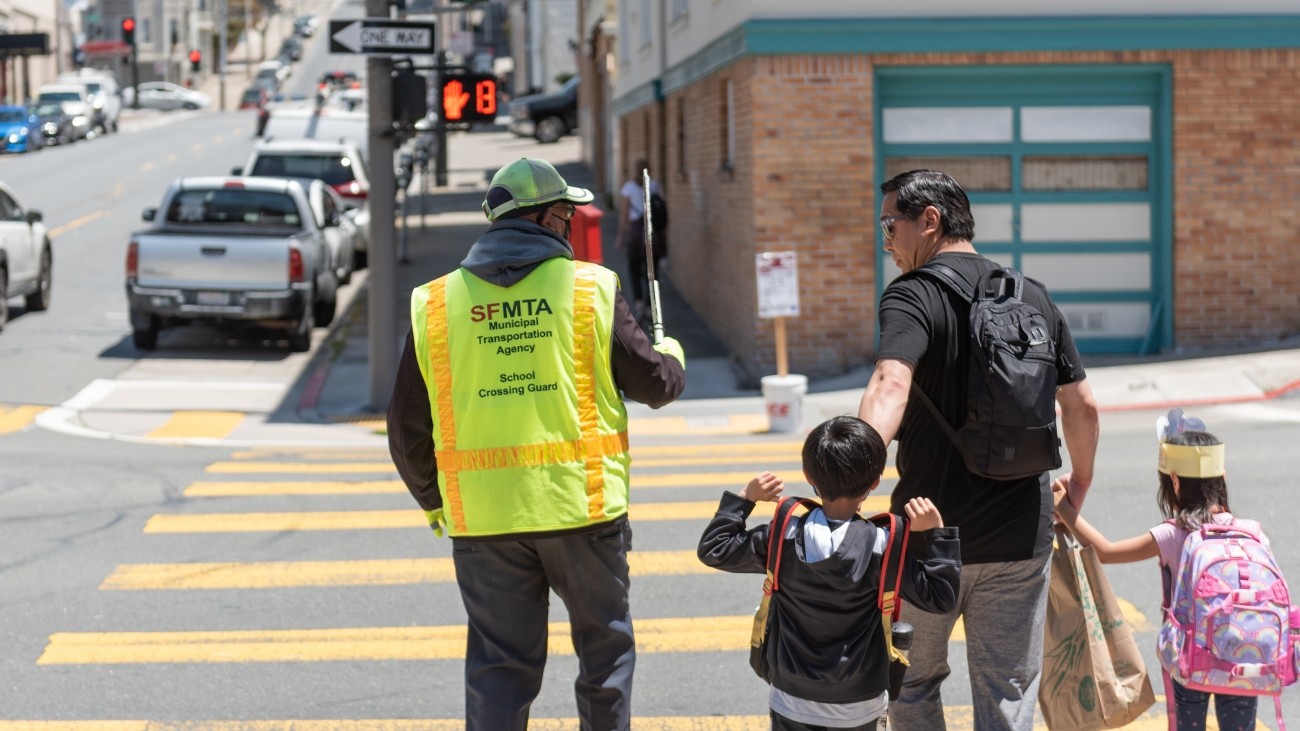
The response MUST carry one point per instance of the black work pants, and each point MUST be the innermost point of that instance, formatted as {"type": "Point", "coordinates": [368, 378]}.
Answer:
{"type": "Point", "coordinates": [506, 589]}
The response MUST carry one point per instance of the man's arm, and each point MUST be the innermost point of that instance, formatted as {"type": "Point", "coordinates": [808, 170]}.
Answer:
{"type": "Point", "coordinates": [885, 399]}
{"type": "Point", "coordinates": [642, 373]}
{"type": "Point", "coordinates": [1082, 428]}
{"type": "Point", "coordinates": [410, 431]}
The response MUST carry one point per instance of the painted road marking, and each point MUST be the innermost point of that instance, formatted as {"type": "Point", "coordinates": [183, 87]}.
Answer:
{"type": "Point", "coordinates": [198, 424]}
{"type": "Point", "coordinates": [680, 634]}
{"type": "Point", "coordinates": [76, 223]}
{"type": "Point", "coordinates": [699, 425]}
{"type": "Point", "coordinates": [317, 468]}
{"type": "Point", "coordinates": [17, 417]}
{"type": "Point", "coordinates": [147, 166]}
{"type": "Point", "coordinates": [393, 572]}
{"type": "Point", "coordinates": [412, 518]}
{"type": "Point", "coordinates": [958, 718]}
{"type": "Point", "coordinates": [758, 449]}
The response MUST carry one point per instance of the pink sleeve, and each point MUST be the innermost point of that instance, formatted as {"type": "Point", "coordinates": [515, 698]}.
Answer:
{"type": "Point", "coordinates": [1169, 539]}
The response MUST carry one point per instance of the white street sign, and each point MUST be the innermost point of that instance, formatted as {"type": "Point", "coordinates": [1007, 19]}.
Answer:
{"type": "Point", "coordinates": [778, 284]}
{"type": "Point", "coordinates": [381, 36]}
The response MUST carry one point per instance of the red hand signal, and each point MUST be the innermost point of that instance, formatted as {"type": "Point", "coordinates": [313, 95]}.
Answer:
{"type": "Point", "coordinates": [454, 99]}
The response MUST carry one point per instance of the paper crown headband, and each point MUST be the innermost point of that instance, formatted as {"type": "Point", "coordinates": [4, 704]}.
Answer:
{"type": "Point", "coordinates": [1183, 460]}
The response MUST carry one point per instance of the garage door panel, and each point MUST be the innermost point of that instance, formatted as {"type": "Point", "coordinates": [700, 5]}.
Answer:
{"type": "Point", "coordinates": [1106, 319]}
{"type": "Point", "coordinates": [1086, 124]}
{"type": "Point", "coordinates": [1058, 222]}
{"type": "Point", "coordinates": [1110, 272]}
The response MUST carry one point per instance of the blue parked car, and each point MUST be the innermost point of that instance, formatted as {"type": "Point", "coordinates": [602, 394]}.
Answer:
{"type": "Point", "coordinates": [20, 130]}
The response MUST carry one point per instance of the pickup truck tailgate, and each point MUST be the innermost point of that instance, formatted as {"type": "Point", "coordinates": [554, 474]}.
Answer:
{"type": "Point", "coordinates": [199, 261]}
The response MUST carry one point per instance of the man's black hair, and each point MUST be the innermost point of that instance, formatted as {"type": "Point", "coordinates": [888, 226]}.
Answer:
{"type": "Point", "coordinates": [843, 457]}
{"type": "Point", "coordinates": [917, 189]}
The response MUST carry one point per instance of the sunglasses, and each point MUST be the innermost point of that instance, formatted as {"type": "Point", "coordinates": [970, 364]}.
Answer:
{"type": "Point", "coordinates": [564, 213]}
{"type": "Point", "coordinates": [887, 225]}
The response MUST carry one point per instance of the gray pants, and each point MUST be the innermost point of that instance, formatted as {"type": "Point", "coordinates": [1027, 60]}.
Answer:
{"type": "Point", "coordinates": [1003, 606]}
{"type": "Point", "coordinates": [506, 589]}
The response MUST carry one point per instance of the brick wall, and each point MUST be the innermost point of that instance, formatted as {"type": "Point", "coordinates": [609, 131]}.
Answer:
{"type": "Point", "coordinates": [804, 182]}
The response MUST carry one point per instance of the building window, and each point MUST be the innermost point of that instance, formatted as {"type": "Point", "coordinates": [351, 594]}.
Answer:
{"type": "Point", "coordinates": [681, 139]}
{"type": "Point", "coordinates": [623, 40]}
{"type": "Point", "coordinates": [645, 22]}
{"type": "Point", "coordinates": [679, 8]}
{"type": "Point", "coordinates": [175, 32]}
{"type": "Point", "coordinates": [729, 126]}
{"type": "Point", "coordinates": [144, 35]}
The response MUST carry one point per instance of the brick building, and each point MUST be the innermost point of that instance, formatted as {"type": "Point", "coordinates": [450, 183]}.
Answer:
{"type": "Point", "coordinates": [1145, 167]}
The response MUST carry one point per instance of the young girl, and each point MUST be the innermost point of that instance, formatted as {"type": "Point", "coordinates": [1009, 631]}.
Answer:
{"type": "Point", "coordinates": [1192, 492]}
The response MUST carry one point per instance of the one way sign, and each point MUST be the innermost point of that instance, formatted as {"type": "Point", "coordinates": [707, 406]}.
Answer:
{"type": "Point", "coordinates": [381, 36]}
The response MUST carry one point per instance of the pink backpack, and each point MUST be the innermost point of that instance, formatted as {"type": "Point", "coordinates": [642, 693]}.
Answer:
{"type": "Point", "coordinates": [1227, 621]}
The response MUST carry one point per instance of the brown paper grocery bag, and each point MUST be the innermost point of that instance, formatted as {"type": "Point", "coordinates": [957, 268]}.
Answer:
{"type": "Point", "coordinates": [1093, 674]}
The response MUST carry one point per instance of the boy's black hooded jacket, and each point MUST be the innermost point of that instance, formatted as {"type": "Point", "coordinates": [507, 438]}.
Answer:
{"type": "Point", "coordinates": [826, 643]}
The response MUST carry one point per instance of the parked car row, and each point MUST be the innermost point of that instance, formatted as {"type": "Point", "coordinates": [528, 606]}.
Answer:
{"type": "Point", "coordinates": [79, 105]}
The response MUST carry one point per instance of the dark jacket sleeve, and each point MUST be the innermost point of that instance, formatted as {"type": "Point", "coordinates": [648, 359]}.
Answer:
{"type": "Point", "coordinates": [933, 576]}
{"type": "Point", "coordinates": [410, 431]}
{"type": "Point", "coordinates": [727, 545]}
{"type": "Point", "coordinates": [640, 372]}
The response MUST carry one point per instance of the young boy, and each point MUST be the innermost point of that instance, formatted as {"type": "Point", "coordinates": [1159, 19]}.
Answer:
{"type": "Point", "coordinates": [829, 661]}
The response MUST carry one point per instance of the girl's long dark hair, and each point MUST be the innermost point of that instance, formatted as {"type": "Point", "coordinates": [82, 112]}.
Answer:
{"type": "Point", "coordinates": [1197, 496]}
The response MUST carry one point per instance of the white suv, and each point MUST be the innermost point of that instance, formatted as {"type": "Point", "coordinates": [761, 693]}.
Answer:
{"type": "Point", "coordinates": [72, 97]}
{"type": "Point", "coordinates": [103, 93]}
{"type": "Point", "coordinates": [339, 164]}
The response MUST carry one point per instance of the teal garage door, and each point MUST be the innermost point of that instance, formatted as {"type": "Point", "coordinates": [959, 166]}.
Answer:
{"type": "Point", "coordinates": [1067, 169]}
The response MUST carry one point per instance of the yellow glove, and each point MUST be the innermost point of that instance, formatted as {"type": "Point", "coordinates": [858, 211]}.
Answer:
{"type": "Point", "coordinates": [436, 521]}
{"type": "Point", "coordinates": [670, 346]}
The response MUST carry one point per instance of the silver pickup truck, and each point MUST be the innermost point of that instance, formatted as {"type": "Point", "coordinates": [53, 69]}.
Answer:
{"type": "Point", "coordinates": [230, 251]}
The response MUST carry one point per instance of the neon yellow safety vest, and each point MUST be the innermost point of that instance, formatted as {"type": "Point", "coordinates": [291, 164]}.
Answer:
{"type": "Point", "coordinates": [529, 431]}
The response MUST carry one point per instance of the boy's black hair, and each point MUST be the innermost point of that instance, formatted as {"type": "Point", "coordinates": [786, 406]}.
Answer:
{"type": "Point", "coordinates": [843, 457]}
{"type": "Point", "coordinates": [1190, 506]}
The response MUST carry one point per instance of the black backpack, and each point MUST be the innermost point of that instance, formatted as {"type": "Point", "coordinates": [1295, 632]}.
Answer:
{"type": "Point", "coordinates": [1010, 427]}
{"type": "Point", "coordinates": [658, 212]}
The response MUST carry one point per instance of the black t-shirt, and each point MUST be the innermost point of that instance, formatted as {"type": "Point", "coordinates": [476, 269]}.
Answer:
{"type": "Point", "coordinates": [924, 323]}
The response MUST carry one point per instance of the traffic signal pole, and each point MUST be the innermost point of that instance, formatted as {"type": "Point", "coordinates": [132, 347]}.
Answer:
{"type": "Point", "coordinates": [382, 296]}
{"type": "Point", "coordinates": [440, 157]}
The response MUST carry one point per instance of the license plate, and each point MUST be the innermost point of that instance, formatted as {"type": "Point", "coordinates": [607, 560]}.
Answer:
{"type": "Point", "coordinates": [219, 299]}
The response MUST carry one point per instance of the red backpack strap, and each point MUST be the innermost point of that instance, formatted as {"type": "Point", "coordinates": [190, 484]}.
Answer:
{"type": "Point", "coordinates": [891, 565]}
{"type": "Point", "coordinates": [787, 508]}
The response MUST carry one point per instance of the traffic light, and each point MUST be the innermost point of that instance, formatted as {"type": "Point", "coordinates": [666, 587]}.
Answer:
{"type": "Point", "coordinates": [128, 31]}
{"type": "Point", "coordinates": [196, 59]}
{"type": "Point", "coordinates": [469, 98]}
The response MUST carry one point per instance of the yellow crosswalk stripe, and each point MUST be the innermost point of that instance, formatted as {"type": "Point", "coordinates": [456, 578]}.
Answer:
{"type": "Point", "coordinates": [198, 424]}
{"type": "Point", "coordinates": [958, 718]}
{"type": "Point", "coordinates": [412, 518]}
{"type": "Point", "coordinates": [378, 572]}
{"type": "Point", "coordinates": [650, 450]}
{"type": "Point", "coordinates": [726, 424]}
{"type": "Point", "coordinates": [678, 634]}
{"type": "Point", "coordinates": [17, 417]}
{"type": "Point", "coordinates": [788, 461]}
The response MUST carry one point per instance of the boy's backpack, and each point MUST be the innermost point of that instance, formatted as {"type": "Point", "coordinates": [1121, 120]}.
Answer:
{"type": "Point", "coordinates": [1010, 427]}
{"type": "Point", "coordinates": [891, 577]}
{"type": "Point", "coordinates": [1227, 626]}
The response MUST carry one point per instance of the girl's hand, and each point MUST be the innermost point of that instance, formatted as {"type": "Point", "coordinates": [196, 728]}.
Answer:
{"type": "Point", "coordinates": [765, 486]}
{"type": "Point", "coordinates": [923, 514]}
{"type": "Point", "coordinates": [1060, 491]}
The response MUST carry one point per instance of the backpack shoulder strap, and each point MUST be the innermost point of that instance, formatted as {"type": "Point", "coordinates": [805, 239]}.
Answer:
{"type": "Point", "coordinates": [891, 565]}
{"type": "Point", "coordinates": [786, 509]}
{"type": "Point", "coordinates": [945, 275]}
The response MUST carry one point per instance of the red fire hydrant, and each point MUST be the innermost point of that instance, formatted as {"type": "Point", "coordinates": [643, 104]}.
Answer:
{"type": "Point", "coordinates": [586, 234]}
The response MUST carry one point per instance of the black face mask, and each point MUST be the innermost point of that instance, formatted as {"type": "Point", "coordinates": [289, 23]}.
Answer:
{"type": "Point", "coordinates": [568, 229]}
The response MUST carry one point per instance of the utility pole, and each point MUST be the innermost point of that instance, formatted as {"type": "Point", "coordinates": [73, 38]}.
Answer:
{"type": "Point", "coordinates": [381, 304]}
{"type": "Point", "coordinates": [440, 129]}
{"type": "Point", "coordinates": [248, 42]}
{"type": "Point", "coordinates": [221, 57]}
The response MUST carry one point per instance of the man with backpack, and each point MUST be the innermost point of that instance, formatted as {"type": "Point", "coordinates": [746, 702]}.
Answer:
{"type": "Point", "coordinates": [978, 439]}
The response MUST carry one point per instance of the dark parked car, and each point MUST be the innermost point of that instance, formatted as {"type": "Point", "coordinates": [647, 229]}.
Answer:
{"type": "Point", "coordinates": [548, 117]}
{"type": "Point", "coordinates": [56, 124]}
{"type": "Point", "coordinates": [19, 130]}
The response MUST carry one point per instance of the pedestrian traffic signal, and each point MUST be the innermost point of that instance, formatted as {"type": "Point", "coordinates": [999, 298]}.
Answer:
{"type": "Point", "coordinates": [128, 31]}
{"type": "Point", "coordinates": [196, 59]}
{"type": "Point", "coordinates": [469, 98]}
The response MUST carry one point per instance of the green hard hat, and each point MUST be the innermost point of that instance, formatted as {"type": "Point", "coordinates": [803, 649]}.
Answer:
{"type": "Point", "coordinates": [529, 182]}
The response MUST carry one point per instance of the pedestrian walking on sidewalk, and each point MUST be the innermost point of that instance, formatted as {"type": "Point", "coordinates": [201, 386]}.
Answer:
{"type": "Point", "coordinates": [507, 425]}
{"type": "Point", "coordinates": [826, 647]}
{"type": "Point", "coordinates": [1006, 524]}
{"type": "Point", "coordinates": [631, 236]}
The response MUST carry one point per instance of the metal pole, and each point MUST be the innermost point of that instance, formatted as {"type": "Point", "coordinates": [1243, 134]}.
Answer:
{"type": "Point", "coordinates": [381, 305]}
{"type": "Point", "coordinates": [424, 189]}
{"type": "Point", "coordinates": [221, 58]}
{"type": "Point", "coordinates": [248, 42]}
{"type": "Point", "coordinates": [440, 159]}
{"type": "Point", "coordinates": [405, 257]}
